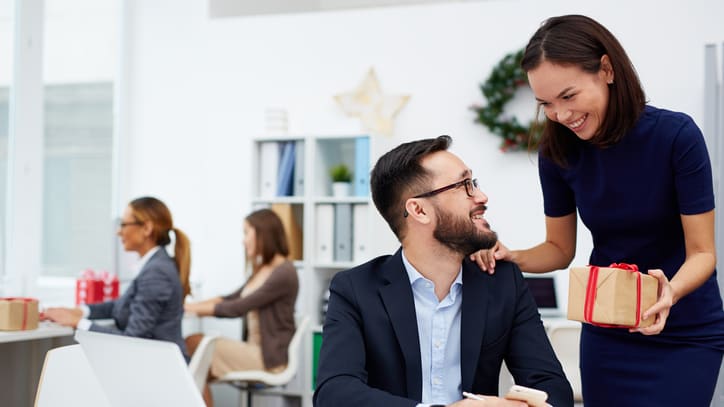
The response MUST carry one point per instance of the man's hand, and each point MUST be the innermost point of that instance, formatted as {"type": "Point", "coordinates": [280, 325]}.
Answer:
{"type": "Point", "coordinates": [63, 316]}
{"type": "Point", "coordinates": [486, 258]}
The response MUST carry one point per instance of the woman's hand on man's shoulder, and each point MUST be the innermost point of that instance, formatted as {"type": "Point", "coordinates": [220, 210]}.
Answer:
{"type": "Point", "coordinates": [486, 258]}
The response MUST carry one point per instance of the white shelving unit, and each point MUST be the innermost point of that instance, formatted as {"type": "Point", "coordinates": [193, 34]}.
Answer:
{"type": "Point", "coordinates": [319, 217]}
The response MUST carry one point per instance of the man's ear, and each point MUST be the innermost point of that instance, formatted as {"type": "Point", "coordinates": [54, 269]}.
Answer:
{"type": "Point", "coordinates": [416, 210]}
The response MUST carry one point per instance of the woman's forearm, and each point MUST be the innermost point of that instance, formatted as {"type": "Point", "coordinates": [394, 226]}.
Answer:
{"type": "Point", "coordinates": [542, 258]}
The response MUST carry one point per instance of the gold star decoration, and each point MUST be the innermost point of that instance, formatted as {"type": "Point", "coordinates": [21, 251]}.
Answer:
{"type": "Point", "coordinates": [375, 109]}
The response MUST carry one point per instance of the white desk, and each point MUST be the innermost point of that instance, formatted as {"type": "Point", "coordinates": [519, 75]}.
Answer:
{"type": "Point", "coordinates": [44, 330]}
{"type": "Point", "coordinates": [21, 360]}
{"type": "Point", "coordinates": [550, 322]}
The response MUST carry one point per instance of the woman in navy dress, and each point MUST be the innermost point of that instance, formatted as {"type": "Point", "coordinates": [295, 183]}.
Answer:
{"type": "Point", "coordinates": [641, 180]}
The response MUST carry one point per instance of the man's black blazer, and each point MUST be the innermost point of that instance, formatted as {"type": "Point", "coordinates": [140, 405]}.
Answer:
{"type": "Point", "coordinates": [370, 352]}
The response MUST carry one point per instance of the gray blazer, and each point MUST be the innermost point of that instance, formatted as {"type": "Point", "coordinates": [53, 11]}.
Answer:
{"type": "Point", "coordinates": [151, 307]}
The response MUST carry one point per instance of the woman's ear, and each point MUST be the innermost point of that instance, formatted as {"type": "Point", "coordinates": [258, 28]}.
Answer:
{"type": "Point", "coordinates": [606, 71]}
{"type": "Point", "coordinates": [147, 228]}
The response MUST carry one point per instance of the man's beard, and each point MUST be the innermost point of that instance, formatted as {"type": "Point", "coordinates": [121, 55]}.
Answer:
{"type": "Point", "coordinates": [460, 234]}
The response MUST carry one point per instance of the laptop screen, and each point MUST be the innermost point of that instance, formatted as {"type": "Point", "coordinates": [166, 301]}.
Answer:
{"type": "Point", "coordinates": [543, 290]}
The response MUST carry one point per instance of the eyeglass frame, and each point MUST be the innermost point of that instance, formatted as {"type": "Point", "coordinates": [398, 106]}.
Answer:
{"type": "Point", "coordinates": [122, 225]}
{"type": "Point", "coordinates": [471, 184]}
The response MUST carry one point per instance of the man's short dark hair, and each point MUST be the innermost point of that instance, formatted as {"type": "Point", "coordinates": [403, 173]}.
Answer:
{"type": "Point", "coordinates": [398, 175]}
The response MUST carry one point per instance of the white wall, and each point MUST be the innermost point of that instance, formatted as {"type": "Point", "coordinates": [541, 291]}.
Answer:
{"type": "Point", "coordinates": [198, 89]}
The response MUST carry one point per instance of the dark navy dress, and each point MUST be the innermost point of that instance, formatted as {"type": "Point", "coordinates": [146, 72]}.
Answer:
{"type": "Point", "coordinates": [631, 196]}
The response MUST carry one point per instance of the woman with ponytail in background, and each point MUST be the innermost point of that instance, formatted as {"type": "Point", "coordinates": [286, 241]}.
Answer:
{"type": "Point", "coordinates": [152, 306]}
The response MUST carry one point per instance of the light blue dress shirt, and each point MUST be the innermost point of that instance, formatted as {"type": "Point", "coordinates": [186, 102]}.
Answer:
{"type": "Point", "coordinates": [438, 327]}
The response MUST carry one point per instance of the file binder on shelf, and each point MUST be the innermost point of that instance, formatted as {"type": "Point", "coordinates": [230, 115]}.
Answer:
{"type": "Point", "coordinates": [324, 243]}
{"type": "Point", "coordinates": [268, 168]}
{"type": "Point", "coordinates": [362, 166]}
{"type": "Point", "coordinates": [298, 189]}
{"type": "Point", "coordinates": [285, 179]}
{"type": "Point", "coordinates": [343, 232]}
{"type": "Point", "coordinates": [360, 230]}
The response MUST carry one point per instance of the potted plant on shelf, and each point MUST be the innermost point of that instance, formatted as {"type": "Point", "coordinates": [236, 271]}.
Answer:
{"type": "Point", "coordinates": [341, 179]}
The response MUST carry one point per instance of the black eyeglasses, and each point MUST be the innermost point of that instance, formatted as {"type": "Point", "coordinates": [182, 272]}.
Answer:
{"type": "Point", "coordinates": [470, 186]}
{"type": "Point", "coordinates": [124, 224]}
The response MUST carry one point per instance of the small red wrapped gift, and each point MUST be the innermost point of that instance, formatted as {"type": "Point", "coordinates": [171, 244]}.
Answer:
{"type": "Point", "coordinates": [93, 287]}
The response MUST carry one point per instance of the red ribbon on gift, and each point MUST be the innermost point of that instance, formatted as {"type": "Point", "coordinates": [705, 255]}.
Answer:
{"type": "Point", "coordinates": [591, 291]}
{"type": "Point", "coordinates": [25, 301]}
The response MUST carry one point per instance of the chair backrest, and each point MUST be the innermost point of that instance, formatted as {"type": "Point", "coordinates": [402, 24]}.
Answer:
{"type": "Point", "coordinates": [201, 360]}
{"type": "Point", "coordinates": [280, 378]}
{"type": "Point", "coordinates": [294, 345]}
{"type": "Point", "coordinates": [565, 337]}
{"type": "Point", "coordinates": [68, 380]}
{"type": "Point", "coordinates": [139, 372]}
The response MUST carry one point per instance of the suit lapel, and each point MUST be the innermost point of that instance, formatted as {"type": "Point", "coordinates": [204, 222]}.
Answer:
{"type": "Point", "coordinates": [474, 317]}
{"type": "Point", "coordinates": [400, 305]}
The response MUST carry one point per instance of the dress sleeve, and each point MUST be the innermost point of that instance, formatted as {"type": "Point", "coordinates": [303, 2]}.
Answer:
{"type": "Point", "coordinates": [692, 171]}
{"type": "Point", "coordinates": [558, 197]}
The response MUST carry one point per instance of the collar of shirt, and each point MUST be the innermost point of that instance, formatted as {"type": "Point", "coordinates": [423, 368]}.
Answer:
{"type": "Point", "coordinates": [143, 260]}
{"type": "Point", "coordinates": [414, 275]}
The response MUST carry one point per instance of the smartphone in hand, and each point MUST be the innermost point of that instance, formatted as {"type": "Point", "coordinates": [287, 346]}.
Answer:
{"type": "Point", "coordinates": [534, 398]}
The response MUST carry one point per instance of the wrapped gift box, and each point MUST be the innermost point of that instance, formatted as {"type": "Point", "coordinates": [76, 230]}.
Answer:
{"type": "Point", "coordinates": [18, 314]}
{"type": "Point", "coordinates": [93, 287]}
{"type": "Point", "coordinates": [615, 296]}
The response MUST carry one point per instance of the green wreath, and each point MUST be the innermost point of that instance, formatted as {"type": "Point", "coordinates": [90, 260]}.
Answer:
{"type": "Point", "coordinates": [499, 89]}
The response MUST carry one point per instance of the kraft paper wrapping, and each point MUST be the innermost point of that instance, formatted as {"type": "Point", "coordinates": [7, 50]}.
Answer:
{"type": "Point", "coordinates": [18, 314]}
{"type": "Point", "coordinates": [615, 301]}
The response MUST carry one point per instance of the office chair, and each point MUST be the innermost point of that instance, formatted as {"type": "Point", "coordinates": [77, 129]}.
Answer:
{"type": "Point", "coordinates": [68, 380]}
{"type": "Point", "coordinates": [201, 360]}
{"type": "Point", "coordinates": [253, 380]}
{"type": "Point", "coordinates": [565, 337]}
{"type": "Point", "coordinates": [138, 371]}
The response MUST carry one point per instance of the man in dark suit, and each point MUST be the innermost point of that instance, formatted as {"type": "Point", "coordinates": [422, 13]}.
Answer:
{"type": "Point", "coordinates": [421, 326]}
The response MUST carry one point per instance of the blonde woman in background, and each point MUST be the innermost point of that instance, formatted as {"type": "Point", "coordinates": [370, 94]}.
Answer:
{"type": "Point", "coordinates": [152, 306]}
{"type": "Point", "coordinates": [266, 301]}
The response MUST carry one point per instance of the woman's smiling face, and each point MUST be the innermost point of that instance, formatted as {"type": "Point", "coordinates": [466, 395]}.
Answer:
{"type": "Point", "coordinates": [571, 96]}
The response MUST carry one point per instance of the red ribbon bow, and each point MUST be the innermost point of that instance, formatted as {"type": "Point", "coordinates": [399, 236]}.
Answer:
{"type": "Point", "coordinates": [591, 291]}
{"type": "Point", "coordinates": [624, 266]}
